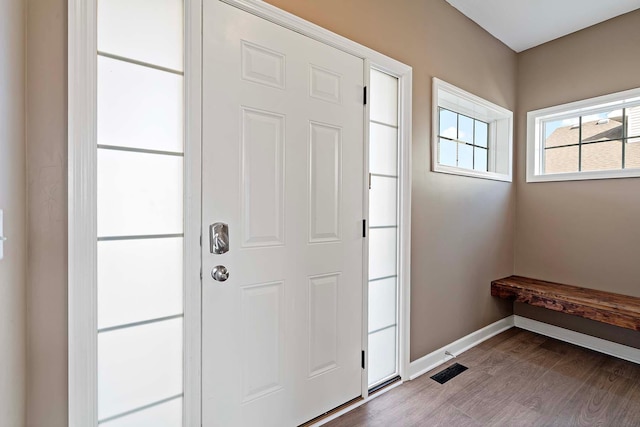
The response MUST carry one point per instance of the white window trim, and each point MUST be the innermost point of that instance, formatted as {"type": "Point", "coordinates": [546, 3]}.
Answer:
{"type": "Point", "coordinates": [485, 111]}
{"type": "Point", "coordinates": [82, 263]}
{"type": "Point", "coordinates": [536, 119]}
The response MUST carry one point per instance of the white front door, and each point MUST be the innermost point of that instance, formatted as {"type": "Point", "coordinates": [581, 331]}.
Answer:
{"type": "Point", "coordinates": [283, 168]}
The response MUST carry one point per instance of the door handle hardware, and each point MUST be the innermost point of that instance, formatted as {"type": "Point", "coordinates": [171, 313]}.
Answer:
{"type": "Point", "coordinates": [219, 238]}
{"type": "Point", "coordinates": [220, 273]}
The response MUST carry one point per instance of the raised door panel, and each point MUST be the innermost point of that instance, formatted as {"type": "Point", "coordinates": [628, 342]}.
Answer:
{"type": "Point", "coordinates": [323, 323]}
{"type": "Point", "coordinates": [263, 338]}
{"type": "Point", "coordinates": [325, 182]}
{"type": "Point", "coordinates": [262, 176]}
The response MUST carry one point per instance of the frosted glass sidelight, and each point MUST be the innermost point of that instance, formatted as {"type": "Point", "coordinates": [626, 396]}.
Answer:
{"type": "Point", "coordinates": [147, 31]}
{"type": "Point", "coordinates": [168, 414]}
{"type": "Point", "coordinates": [382, 252]}
{"type": "Point", "coordinates": [139, 280]}
{"type": "Point", "coordinates": [383, 201]}
{"type": "Point", "coordinates": [139, 193]}
{"type": "Point", "coordinates": [382, 355]}
{"type": "Point", "coordinates": [139, 107]}
{"type": "Point", "coordinates": [138, 366]}
{"type": "Point", "coordinates": [383, 151]}
{"type": "Point", "coordinates": [382, 303]}
{"type": "Point", "coordinates": [384, 98]}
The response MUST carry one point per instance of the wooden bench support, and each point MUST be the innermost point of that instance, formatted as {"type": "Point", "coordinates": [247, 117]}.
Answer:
{"type": "Point", "coordinates": [606, 307]}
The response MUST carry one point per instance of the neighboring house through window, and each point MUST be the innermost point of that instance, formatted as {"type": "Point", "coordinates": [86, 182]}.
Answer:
{"type": "Point", "coordinates": [591, 139]}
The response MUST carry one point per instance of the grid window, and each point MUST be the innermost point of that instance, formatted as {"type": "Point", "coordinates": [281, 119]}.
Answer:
{"type": "Point", "coordinates": [597, 138]}
{"type": "Point", "coordinates": [470, 136]}
{"type": "Point", "coordinates": [594, 142]}
{"type": "Point", "coordinates": [463, 141]}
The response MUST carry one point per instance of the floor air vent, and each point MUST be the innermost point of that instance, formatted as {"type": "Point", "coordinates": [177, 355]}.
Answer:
{"type": "Point", "coordinates": [451, 372]}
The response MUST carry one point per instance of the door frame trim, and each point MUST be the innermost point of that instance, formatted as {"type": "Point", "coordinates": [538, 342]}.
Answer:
{"type": "Point", "coordinates": [82, 185]}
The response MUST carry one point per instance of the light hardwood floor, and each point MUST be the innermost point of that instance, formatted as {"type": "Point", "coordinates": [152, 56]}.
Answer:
{"type": "Point", "coordinates": [517, 378]}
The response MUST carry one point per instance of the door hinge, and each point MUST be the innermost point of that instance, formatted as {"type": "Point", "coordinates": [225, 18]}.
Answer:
{"type": "Point", "coordinates": [369, 181]}
{"type": "Point", "coordinates": [365, 95]}
{"type": "Point", "coordinates": [201, 234]}
{"type": "Point", "coordinates": [364, 228]}
{"type": "Point", "coordinates": [201, 273]}
{"type": "Point", "coordinates": [362, 359]}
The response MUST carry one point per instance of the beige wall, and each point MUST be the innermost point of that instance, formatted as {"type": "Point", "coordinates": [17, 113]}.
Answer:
{"type": "Point", "coordinates": [462, 235]}
{"type": "Point", "coordinates": [462, 227]}
{"type": "Point", "coordinates": [13, 203]}
{"type": "Point", "coordinates": [47, 223]}
{"type": "Point", "coordinates": [581, 232]}
{"type": "Point", "coordinates": [469, 221]}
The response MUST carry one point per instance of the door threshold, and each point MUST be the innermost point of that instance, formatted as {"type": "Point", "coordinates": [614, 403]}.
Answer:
{"type": "Point", "coordinates": [353, 403]}
{"type": "Point", "coordinates": [334, 411]}
{"type": "Point", "coordinates": [383, 385]}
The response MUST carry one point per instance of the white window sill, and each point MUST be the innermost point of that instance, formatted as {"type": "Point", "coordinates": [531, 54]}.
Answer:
{"type": "Point", "coordinates": [472, 173]}
{"type": "Point", "coordinates": [581, 176]}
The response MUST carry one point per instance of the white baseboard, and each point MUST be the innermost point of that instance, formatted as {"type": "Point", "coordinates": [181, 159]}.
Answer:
{"type": "Point", "coordinates": [598, 344]}
{"type": "Point", "coordinates": [438, 357]}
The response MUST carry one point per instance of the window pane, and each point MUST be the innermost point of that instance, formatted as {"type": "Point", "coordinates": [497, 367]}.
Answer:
{"type": "Point", "coordinates": [383, 152]}
{"type": "Point", "coordinates": [138, 193]}
{"type": "Point", "coordinates": [448, 124]}
{"type": "Point", "coordinates": [382, 252]}
{"type": "Point", "coordinates": [561, 160]}
{"type": "Point", "coordinates": [139, 366]}
{"type": "Point", "coordinates": [382, 354]}
{"type": "Point", "coordinates": [480, 159]}
{"type": "Point", "coordinates": [383, 201]}
{"type": "Point", "coordinates": [447, 152]}
{"type": "Point", "coordinates": [632, 154]}
{"type": "Point", "coordinates": [139, 280]}
{"type": "Point", "coordinates": [465, 129]}
{"type": "Point", "coordinates": [465, 156]}
{"type": "Point", "coordinates": [139, 107]}
{"type": "Point", "coordinates": [382, 303]}
{"type": "Point", "coordinates": [602, 156]}
{"type": "Point", "coordinates": [633, 121]}
{"type": "Point", "coordinates": [384, 98]}
{"type": "Point", "coordinates": [481, 134]}
{"type": "Point", "coordinates": [602, 127]}
{"type": "Point", "coordinates": [167, 414]}
{"type": "Point", "coordinates": [147, 31]}
{"type": "Point", "coordinates": [561, 132]}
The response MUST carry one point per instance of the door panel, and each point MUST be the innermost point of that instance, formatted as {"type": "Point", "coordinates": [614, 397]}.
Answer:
{"type": "Point", "coordinates": [283, 167]}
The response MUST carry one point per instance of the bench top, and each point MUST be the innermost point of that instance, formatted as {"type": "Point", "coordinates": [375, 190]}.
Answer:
{"type": "Point", "coordinates": [607, 307]}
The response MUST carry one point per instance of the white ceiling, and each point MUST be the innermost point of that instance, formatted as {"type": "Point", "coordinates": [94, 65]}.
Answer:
{"type": "Point", "coordinates": [523, 24]}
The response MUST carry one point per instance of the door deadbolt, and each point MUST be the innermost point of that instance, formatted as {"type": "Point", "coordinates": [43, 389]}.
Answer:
{"type": "Point", "coordinates": [219, 238]}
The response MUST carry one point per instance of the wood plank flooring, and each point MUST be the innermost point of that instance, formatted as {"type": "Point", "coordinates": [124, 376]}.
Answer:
{"type": "Point", "coordinates": [517, 378]}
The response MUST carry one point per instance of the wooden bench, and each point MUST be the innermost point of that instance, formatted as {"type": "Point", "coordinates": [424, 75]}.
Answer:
{"type": "Point", "coordinates": [606, 307]}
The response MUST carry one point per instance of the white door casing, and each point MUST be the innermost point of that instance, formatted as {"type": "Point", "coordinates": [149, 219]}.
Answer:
{"type": "Point", "coordinates": [283, 160]}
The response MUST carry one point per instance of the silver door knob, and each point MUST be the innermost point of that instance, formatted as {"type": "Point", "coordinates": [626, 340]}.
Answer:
{"type": "Point", "coordinates": [220, 273]}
